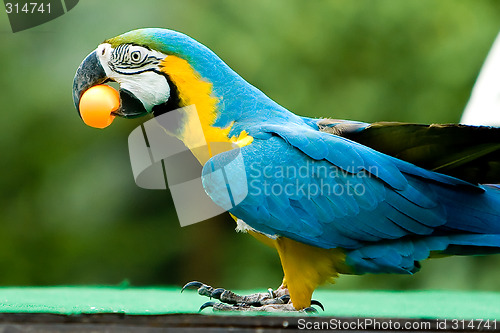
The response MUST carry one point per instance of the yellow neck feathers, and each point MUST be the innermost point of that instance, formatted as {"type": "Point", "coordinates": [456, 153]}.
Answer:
{"type": "Point", "coordinates": [193, 90]}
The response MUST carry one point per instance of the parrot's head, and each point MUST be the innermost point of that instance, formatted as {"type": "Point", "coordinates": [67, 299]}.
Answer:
{"type": "Point", "coordinates": [135, 66]}
{"type": "Point", "coordinates": [158, 70]}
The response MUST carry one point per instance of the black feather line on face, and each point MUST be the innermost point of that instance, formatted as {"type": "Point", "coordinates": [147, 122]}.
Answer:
{"type": "Point", "coordinates": [122, 60]}
{"type": "Point", "coordinates": [173, 101]}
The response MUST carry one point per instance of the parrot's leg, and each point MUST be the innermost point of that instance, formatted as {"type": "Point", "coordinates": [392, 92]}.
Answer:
{"type": "Point", "coordinates": [306, 267]}
{"type": "Point", "coordinates": [271, 301]}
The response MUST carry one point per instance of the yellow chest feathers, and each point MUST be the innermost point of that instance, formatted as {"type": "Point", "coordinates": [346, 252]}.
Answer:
{"type": "Point", "coordinates": [197, 129]}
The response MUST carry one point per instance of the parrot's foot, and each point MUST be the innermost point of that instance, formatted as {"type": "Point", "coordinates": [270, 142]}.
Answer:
{"type": "Point", "coordinates": [272, 301]}
{"type": "Point", "coordinates": [217, 306]}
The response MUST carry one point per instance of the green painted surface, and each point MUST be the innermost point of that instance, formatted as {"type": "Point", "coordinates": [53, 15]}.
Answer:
{"type": "Point", "coordinates": [144, 301]}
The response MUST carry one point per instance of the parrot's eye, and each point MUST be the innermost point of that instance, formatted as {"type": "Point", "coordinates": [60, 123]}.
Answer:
{"type": "Point", "coordinates": [135, 56]}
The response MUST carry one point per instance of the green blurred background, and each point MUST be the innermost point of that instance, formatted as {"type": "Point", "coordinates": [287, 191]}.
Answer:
{"type": "Point", "coordinates": [70, 210]}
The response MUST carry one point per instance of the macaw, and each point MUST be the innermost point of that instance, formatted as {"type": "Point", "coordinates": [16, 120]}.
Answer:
{"type": "Point", "coordinates": [396, 193]}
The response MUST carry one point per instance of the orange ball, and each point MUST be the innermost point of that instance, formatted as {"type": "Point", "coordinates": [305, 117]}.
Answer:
{"type": "Point", "coordinates": [97, 104]}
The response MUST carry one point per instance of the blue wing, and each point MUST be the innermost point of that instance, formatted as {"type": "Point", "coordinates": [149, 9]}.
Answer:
{"type": "Point", "coordinates": [327, 191]}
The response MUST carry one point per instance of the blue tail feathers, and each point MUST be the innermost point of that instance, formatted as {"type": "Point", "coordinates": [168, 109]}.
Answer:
{"type": "Point", "coordinates": [472, 228]}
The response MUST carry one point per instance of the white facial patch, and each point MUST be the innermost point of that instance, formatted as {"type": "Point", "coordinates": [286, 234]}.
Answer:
{"type": "Point", "coordinates": [149, 87]}
{"type": "Point", "coordinates": [136, 69]}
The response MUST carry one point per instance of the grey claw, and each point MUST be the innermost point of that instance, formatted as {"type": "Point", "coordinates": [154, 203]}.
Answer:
{"type": "Point", "coordinates": [285, 299]}
{"type": "Point", "coordinates": [217, 292]}
{"type": "Point", "coordinates": [318, 303]}
{"type": "Point", "coordinates": [192, 285]}
{"type": "Point", "coordinates": [310, 310]}
{"type": "Point", "coordinates": [207, 305]}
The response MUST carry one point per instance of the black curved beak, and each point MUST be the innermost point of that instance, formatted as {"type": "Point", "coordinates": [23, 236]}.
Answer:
{"type": "Point", "coordinates": [88, 74]}
{"type": "Point", "coordinates": [91, 73]}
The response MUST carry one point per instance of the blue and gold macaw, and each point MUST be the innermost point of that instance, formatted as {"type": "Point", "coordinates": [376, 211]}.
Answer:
{"type": "Point", "coordinates": [390, 194]}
